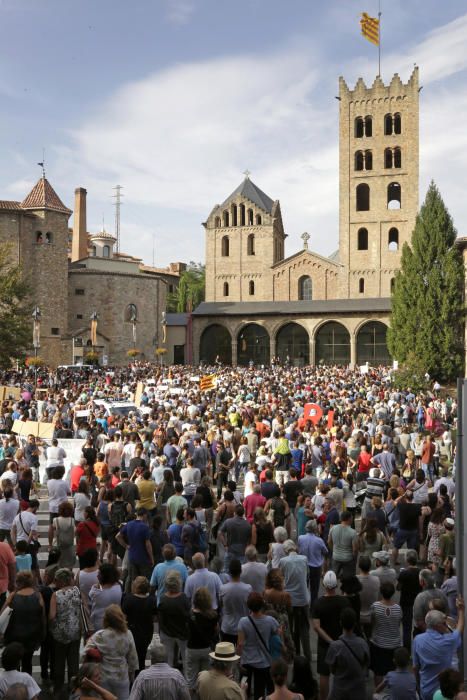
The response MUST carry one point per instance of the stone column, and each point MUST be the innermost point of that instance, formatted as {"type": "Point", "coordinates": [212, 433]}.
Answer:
{"type": "Point", "coordinates": [312, 351]}
{"type": "Point", "coordinates": [272, 349]}
{"type": "Point", "coordinates": [353, 349]}
{"type": "Point", "coordinates": [234, 352]}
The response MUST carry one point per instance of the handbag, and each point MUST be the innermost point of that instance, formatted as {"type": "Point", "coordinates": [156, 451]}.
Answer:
{"type": "Point", "coordinates": [5, 619]}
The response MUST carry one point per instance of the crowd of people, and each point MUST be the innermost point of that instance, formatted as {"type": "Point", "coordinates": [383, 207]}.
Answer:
{"type": "Point", "coordinates": [226, 534]}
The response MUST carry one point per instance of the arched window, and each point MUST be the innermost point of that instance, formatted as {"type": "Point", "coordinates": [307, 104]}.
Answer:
{"type": "Point", "coordinates": [106, 251]}
{"type": "Point", "coordinates": [39, 237]}
{"type": "Point", "coordinates": [250, 244]}
{"type": "Point", "coordinates": [234, 214]}
{"type": "Point", "coordinates": [394, 196]}
{"type": "Point", "coordinates": [225, 218]}
{"type": "Point", "coordinates": [250, 217]}
{"type": "Point", "coordinates": [225, 247]}
{"type": "Point", "coordinates": [368, 126]}
{"type": "Point", "coordinates": [368, 160]}
{"type": "Point", "coordinates": [361, 285]}
{"type": "Point", "coordinates": [358, 128]}
{"type": "Point", "coordinates": [251, 288]}
{"type": "Point", "coordinates": [48, 237]}
{"type": "Point", "coordinates": [388, 157]}
{"type": "Point", "coordinates": [217, 222]}
{"type": "Point", "coordinates": [253, 345]}
{"type": "Point", "coordinates": [226, 289]}
{"type": "Point", "coordinates": [393, 284]}
{"type": "Point", "coordinates": [362, 236]}
{"type": "Point", "coordinates": [258, 219]}
{"type": "Point", "coordinates": [242, 215]}
{"type": "Point", "coordinates": [93, 251]}
{"type": "Point", "coordinates": [363, 197]}
{"type": "Point", "coordinates": [371, 344]}
{"type": "Point", "coordinates": [216, 342]}
{"type": "Point", "coordinates": [359, 160]}
{"type": "Point", "coordinates": [393, 239]}
{"type": "Point", "coordinates": [397, 158]}
{"type": "Point", "coordinates": [131, 313]}
{"type": "Point", "coordinates": [397, 123]}
{"type": "Point", "coordinates": [305, 288]}
{"type": "Point", "coordinates": [332, 344]}
{"type": "Point", "coordinates": [293, 345]}
{"type": "Point", "coordinates": [388, 124]}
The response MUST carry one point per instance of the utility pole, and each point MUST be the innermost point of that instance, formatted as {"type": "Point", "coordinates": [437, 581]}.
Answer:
{"type": "Point", "coordinates": [118, 201]}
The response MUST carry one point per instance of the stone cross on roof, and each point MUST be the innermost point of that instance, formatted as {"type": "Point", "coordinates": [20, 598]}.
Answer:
{"type": "Point", "coordinates": [247, 174]}
{"type": "Point", "coordinates": [305, 238]}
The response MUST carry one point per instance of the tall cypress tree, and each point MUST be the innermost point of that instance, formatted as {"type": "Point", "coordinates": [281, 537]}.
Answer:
{"type": "Point", "coordinates": [428, 299]}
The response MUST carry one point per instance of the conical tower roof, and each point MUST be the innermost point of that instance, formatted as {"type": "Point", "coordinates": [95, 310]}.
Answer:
{"type": "Point", "coordinates": [43, 196]}
{"type": "Point", "coordinates": [250, 191]}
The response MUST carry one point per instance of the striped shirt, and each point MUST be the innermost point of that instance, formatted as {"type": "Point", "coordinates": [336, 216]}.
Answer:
{"type": "Point", "coordinates": [386, 625]}
{"type": "Point", "coordinates": [160, 682]}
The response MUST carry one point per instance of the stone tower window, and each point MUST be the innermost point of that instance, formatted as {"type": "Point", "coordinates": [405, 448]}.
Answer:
{"type": "Point", "coordinates": [397, 158]}
{"type": "Point", "coordinates": [397, 123]}
{"type": "Point", "coordinates": [362, 242]}
{"type": "Point", "coordinates": [234, 214]}
{"type": "Point", "coordinates": [258, 219]}
{"type": "Point", "coordinates": [394, 196]}
{"type": "Point", "coordinates": [305, 288]}
{"type": "Point", "coordinates": [225, 218]}
{"type": "Point", "coordinates": [388, 124]}
{"type": "Point", "coordinates": [217, 222]}
{"type": "Point", "coordinates": [392, 124]}
{"type": "Point", "coordinates": [251, 288]}
{"type": "Point", "coordinates": [363, 197]}
{"type": "Point", "coordinates": [368, 126]}
{"type": "Point", "coordinates": [242, 215]}
{"type": "Point", "coordinates": [106, 251]}
{"type": "Point", "coordinates": [359, 160]}
{"type": "Point", "coordinates": [250, 245]}
{"type": "Point", "coordinates": [226, 289]}
{"type": "Point", "coordinates": [250, 217]}
{"type": "Point", "coordinates": [225, 247]}
{"type": "Point", "coordinates": [48, 237]}
{"type": "Point", "coordinates": [388, 157]}
{"type": "Point", "coordinates": [368, 160]}
{"type": "Point", "coordinates": [393, 239]}
{"type": "Point", "coordinates": [39, 238]}
{"type": "Point", "coordinates": [361, 285]}
{"type": "Point", "coordinates": [359, 128]}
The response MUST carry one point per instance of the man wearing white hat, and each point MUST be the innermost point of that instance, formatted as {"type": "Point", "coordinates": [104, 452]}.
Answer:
{"type": "Point", "coordinates": [215, 684]}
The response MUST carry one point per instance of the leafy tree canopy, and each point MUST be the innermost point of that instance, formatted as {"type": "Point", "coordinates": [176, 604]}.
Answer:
{"type": "Point", "coordinates": [15, 321]}
{"type": "Point", "coordinates": [190, 291]}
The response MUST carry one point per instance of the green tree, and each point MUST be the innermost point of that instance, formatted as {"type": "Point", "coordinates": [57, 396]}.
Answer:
{"type": "Point", "coordinates": [190, 290]}
{"type": "Point", "coordinates": [427, 303]}
{"type": "Point", "coordinates": [15, 321]}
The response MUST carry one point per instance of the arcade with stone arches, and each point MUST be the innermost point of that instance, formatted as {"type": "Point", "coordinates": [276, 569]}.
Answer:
{"type": "Point", "coordinates": [299, 342]}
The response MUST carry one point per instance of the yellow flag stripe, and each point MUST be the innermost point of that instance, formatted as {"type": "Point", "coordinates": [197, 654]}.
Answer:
{"type": "Point", "coordinates": [370, 28]}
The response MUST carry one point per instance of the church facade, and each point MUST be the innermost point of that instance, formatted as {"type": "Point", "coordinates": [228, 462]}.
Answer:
{"type": "Point", "coordinates": [308, 308]}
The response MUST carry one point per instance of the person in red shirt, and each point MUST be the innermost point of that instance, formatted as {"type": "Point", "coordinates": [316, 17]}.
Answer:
{"type": "Point", "coordinates": [364, 459]}
{"type": "Point", "coordinates": [86, 534]}
{"type": "Point", "coordinates": [116, 478]}
{"type": "Point", "coordinates": [252, 502]}
{"type": "Point", "coordinates": [76, 473]}
{"type": "Point", "coordinates": [428, 452]}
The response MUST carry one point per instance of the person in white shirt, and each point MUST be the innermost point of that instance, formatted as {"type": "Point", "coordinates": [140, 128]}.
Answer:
{"type": "Point", "coordinates": [58, 491]}
{"type": "Point", "coordinates": [25, 525]}
{"type": "Point", "coordinates": [251, 478]}
{"type": "Point", "coordinates": [159, 466]}
{"type": "Point", "coordinates": [190, 478]}
{"type": "Point", "coordinates": [10, 474]}
{"type": "Point", "coordinates": [55, 456]}
{"type": "Point", "coordinates": [449, 483]}
{"type": "Point", "coordinates": [11, 659]}
{"type": "Point", "coordinates": [113, 452]}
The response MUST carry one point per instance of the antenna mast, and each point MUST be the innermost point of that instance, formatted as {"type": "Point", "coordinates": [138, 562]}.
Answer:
{"type": "Point", "coordinates": [117, 204]}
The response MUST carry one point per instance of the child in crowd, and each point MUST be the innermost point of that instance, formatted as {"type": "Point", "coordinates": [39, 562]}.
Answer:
{"type": "Point", "coordinates": [400, 683]}
{"type": "Point", "coordinates": [23, 558]}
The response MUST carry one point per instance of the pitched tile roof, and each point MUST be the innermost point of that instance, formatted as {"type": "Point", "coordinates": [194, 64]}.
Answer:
{"type": "Point", "coordinates": [9, 205]}
{"type": "Point", "coordinates": [250, 191]}
{"type": "Point", "coordinates": [43, 196]}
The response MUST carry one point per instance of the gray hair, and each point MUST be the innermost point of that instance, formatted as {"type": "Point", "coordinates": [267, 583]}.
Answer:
{"type": "Point", "coordinates": [173, 582]}
{"type": "Point", "coordinates": [251, 552]}
{"type": "Point", "coordinates": [428, 578]}
{"type": "Point", "coordinates": [198, 560]}
{"type": "Point", "coordinates": [433, 618]}
{"type": "Point", "coordinates": [158, 653]}
{"type": "Point", "coordinates": [280, 534]}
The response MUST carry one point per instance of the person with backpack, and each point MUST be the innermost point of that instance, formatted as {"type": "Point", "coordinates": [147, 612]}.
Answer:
{"type": "Point", "coordinates": [278, 512]}
{"type": "Point", "coordinates": [348, 658]}
{"type": "Point", "coordinates": [119, 512]}
{"type": "Point", "coordinates": [191, 535]}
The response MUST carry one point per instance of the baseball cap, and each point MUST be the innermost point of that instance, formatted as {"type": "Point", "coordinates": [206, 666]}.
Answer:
{"type": "Point", "coordinates": [330, 580]}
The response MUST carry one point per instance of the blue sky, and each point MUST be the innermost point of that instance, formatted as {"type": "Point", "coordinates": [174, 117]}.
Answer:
{"type": "Point", "coordinates": [174, 99]}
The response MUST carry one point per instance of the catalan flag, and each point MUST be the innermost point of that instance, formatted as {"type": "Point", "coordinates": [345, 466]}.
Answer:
{"type": "Point", "coordinates": [207, 382]}
{"type": "Point", "coordinates": [370, 28]}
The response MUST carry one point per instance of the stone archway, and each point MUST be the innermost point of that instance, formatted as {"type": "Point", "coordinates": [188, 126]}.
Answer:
{"type": "Point", "coordinates": [293, 342]}
{"type": "Point", "coordinates": [372, 345]}
{"type": "Point", "coordinates": [332, 344]}
{"type": "Point", "coordinates": [253, 344]}
{"type": "Point", "coordinates": [215, 343]}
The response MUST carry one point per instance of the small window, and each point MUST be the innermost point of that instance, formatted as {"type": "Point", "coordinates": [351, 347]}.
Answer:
{"type": "Point", "coordinates": [79, 316]}
{"type": "Point", "coordinates": [388, 157]}
{"type": "Point", "coordinates": [242, 215]}
{"type": "Point", "coordinates": [393, 239]}
{"type": "Point", "coordinates": [359, 160]}
{"type": "Point", "coordinates": [225, 218]}
{"type": "Point", "coordinates": [93, 251]}
{"type": "Point", "coordinates": [368, 126]}
{"type": "Point", "coordinates": [225, 247]}
{"type": "Point", "coordinates": [251, 288]}
{"type": "Point", "coordinates": [258, 219]}
{"type": "Point", "coordinates": [305, 288]}
{"type": "Point", "coordinates": [362, 243]}
{"type": "Point", "coordinates": [250, 217]}
{"type": "Point", "coordinates": [358, 128]}
{"type": "Point", "coordinates": [39, 238]}
{"type": "Point", "coordinates": [361, 285]}
{"type": "Point", "coordinates": [48, 237]}
{"type": "Point", "coordinates": [394, 196]}
{"type": "Point", "coordinates": [234, 214]}
{"type": "Point", "coordinates": [388, 124]}
{"type": "Point", "coordinates": [397, 158]}
{"type": "Point", "coordinates": [79, 292]}
{"type": "Point", "coordinates": [106, 251]}
{"type": "Point", "coordinates": [55, 331]}
{"type": "Point", "coordinates": [363, 197]}
{"type": "Point", "coordinates": [217, 222]}
{"type": "Point", "coordinates": [368, 160]}
{"type": "Point", "coordinates": [397, 123]}
{"type": "Point", "coordinates": [171, 289]}
{"type": "Point", "coordinates": [250, 246]}
{"type": "Point", "coordinates": [226, 289]}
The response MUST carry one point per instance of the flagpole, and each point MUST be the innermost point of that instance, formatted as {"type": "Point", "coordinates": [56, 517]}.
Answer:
{"type": "Point", "coordinates": [379, 38]}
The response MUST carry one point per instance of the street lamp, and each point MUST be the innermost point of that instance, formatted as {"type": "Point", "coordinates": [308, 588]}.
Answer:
{"type": "Point", "coordinates": [36, 338]}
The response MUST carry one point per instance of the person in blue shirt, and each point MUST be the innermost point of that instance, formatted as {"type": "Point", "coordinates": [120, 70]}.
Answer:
{"type": "Point", "coordinates": [399, 684]}
{"type": "Point", "coordinates": [433, 650]}
{"type": "Point", "coordinates": [297, 457]}
{"type": "Point", "coordinates": [136, 537]}
{"type": "Point", "coordinates": [160, 570]}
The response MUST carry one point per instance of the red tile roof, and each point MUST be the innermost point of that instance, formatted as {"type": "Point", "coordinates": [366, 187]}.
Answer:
{"type": "Point", "coordinates": [43, 196]}
{"type": "Point", "coordinates": [9, 205]}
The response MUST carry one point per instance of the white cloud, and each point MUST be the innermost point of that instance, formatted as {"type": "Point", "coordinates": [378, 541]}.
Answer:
{"type": "Point", "coordinates": [180, 139]}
